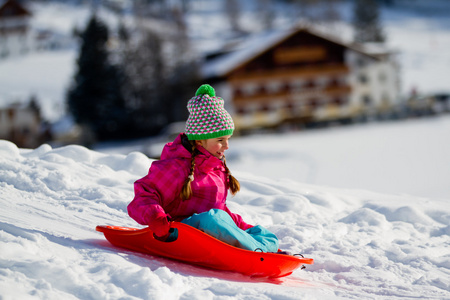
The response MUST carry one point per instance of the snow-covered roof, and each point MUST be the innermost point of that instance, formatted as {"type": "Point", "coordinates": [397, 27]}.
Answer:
{"type": "Point", "coordinates": [377, 49]}
{"type": "Point", "coordinates": [253, 46]}
{"type": "Point", "coordinates": [243, 53]}
{"type": "Point", "coordinates": [20, 9]}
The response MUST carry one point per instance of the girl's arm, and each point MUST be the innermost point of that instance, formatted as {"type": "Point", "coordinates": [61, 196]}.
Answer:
{"type": "Point", "coordinates": [146, 208]}
{"type": "Point", "coordinates": [151, 194]}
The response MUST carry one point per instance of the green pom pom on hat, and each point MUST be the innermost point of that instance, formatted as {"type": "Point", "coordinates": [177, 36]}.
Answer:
{"type": "Point", "coordinates": [206, 89]}
{"type": "Point", "coordinates": [207, 116]}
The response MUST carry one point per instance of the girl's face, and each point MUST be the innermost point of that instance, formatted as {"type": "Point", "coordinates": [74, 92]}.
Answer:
{"type": "Point", "coordinates": [215, 146]}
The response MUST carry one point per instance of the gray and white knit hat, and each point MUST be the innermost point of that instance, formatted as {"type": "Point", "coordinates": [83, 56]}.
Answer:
{"type": "Point", "coordinates": [207, 116]}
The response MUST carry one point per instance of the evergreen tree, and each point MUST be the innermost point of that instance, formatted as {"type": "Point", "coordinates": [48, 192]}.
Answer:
{"type": "Point", "coordinates": [366, 22]}
{"type": "Point", "coordinates": [143, 64]}
{"type": "Point", "coordinates": [161, 73]}
{"type": "Point", "coordinates": [95, 99]}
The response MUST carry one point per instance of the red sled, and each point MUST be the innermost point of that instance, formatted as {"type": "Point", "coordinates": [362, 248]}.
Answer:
{"type": "Point", "coordinates": [198, 248]}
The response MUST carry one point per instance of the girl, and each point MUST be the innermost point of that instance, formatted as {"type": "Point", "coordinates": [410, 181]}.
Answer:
{"type": "Point", "coordinates": [191, 180]}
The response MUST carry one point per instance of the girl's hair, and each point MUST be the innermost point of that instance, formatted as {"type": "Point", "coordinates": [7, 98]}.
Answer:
{"type": "Point", "coordinates": [186, 190]}
{"type": "Point", "coordinates": [234, 184]}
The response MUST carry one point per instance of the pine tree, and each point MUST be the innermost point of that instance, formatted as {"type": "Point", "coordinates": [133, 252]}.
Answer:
{"type": "Point", "coordinates": [366, 22]}
{"type": "Point", "coordinates": [161, 68]}
{"type": "Point", "coordinates": [143, 64]}
{"type": "Point", "coordinates": [95, 99]}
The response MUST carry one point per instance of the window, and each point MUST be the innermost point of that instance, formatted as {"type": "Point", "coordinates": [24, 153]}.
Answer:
{"type": "Point", "coordinates": [289, 105]}
{"type": "Point", "coordinates": [360, 62]}
{"type": "Point", "coordinates": [241, 110]}
{"type": "Point", "coordinates": [262, 90]}
{"type": "Point", "coordinates": [310, 84]}
{"type": "Point", "coordinates": [314, 102]}
{"type": "Point", "coordinates": [363, 78]}
{"type": "Point", "coordinates": [273, 86]}
{"type": "Point", "coordinates": [337, 101]}
{"type": "Point", "coordinates": [237, 93]}
{"type": "Point", "coordinates": [297, 85]}
{"type": "Point", "coordinates": [249, 89]}
{"type": "Point", "coordinates": [366, 100]}
{"type": "Point", "coordinates": [265, 107]}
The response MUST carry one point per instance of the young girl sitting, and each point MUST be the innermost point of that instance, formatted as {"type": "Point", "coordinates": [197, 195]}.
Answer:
{"type": "Point", "coordinates": [191, 180]}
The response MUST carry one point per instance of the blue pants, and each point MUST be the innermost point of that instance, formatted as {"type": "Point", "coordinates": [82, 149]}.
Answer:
{"type": "Point", "coordinates": [220, 225]}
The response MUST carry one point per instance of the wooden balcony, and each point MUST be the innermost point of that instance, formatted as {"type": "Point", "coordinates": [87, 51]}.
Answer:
{"type": "Point", "coordinates": [264, 76]}
{"type": "Point", "coordinates": [286, 95]}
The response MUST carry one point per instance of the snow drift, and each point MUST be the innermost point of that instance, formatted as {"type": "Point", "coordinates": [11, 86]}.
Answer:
{"type": "Point", "coordinates": [365, 245]}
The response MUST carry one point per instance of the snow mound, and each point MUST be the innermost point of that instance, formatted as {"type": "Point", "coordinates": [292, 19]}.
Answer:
{"type": "Point", "coordinates": [365, 245]}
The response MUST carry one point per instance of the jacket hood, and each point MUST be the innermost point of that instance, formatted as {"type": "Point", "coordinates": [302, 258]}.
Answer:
{"type": "Point", "coordinates": [179, 148]}
{"type": "Point", "coordinates": [175, 149]}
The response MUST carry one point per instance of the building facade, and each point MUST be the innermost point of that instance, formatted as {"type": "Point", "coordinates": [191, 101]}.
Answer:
{"type": "Point", "coordinates": [21, 124]}
{"type": "Point", "coordinates": [15, 37]}
{"type": "Point", "coordinates": [299, 77]}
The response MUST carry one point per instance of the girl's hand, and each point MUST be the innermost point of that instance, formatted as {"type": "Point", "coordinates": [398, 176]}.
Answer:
{"type": "Point", "coordinates": [161, 238]}
{"type": "Point", "coordinates": [171, 236]}
{"type": "Point", "coordinates": [160, 225]}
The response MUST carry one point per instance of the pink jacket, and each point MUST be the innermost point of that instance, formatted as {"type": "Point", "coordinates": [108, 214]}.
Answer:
{"type": "Point", "coordinates": [157, 195]}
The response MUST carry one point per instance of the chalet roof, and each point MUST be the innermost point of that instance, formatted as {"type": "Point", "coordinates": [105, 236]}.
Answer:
{"type": "Point", "coordinates": [242, 53]}
{"type": "Point", "coordinates": [253, 47]}
{"type": "Point", "coordinates": [12, 8]}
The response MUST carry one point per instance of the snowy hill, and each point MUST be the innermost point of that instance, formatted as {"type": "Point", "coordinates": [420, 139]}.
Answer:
{"type": "Point", "coordinates": [369, 203]}
{"type": "Point", "coordinates": [366, 245]}
{"type": "Point", "coordinates": [409, 157]}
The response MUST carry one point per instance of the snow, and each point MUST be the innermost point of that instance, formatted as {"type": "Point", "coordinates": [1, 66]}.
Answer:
{"type": "Point", "coordinates": [426, 62]}
{"type": "Point", "coordinates": [369, 203]}
{"type": "Point", "coordinates": [46, 75]}
{"type": "Point", "coordinates": [248, 49]}
{"type": "Point", "coordinates": [407, 157]}
{"type": "Point", "coordinates": [365, 244]}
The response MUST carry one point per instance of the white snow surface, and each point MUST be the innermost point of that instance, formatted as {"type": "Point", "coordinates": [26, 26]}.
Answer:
{"type": "Point", "coordinates": [366, 245]}
{"type": "Point", "coordinates": [369, 203]}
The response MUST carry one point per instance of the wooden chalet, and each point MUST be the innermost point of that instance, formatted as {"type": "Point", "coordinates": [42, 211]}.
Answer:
{"type": "Point", "coordinates": [298, 76]}
{"type": "Point", "coordinates": [21, 124]}
{"type": "Point", "coordinates": [14, 28]}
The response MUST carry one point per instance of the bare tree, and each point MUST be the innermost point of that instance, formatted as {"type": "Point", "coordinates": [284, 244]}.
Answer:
{"type": "Point", "coordinates": [233, 12]}
{"type": "Point", "coordinates": [266, 13]}
{"type": "Point", "coordinates": [366, 21]}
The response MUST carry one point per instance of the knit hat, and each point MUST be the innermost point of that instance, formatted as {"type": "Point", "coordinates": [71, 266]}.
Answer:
{"type": "Point", "coordinates": [207, 116]}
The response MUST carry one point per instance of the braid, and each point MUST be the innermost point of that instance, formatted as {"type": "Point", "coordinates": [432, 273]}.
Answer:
{"type": "Point", "coordinates": [235, 186]}
{"type": "Point", "coordinates": [186, 190]}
